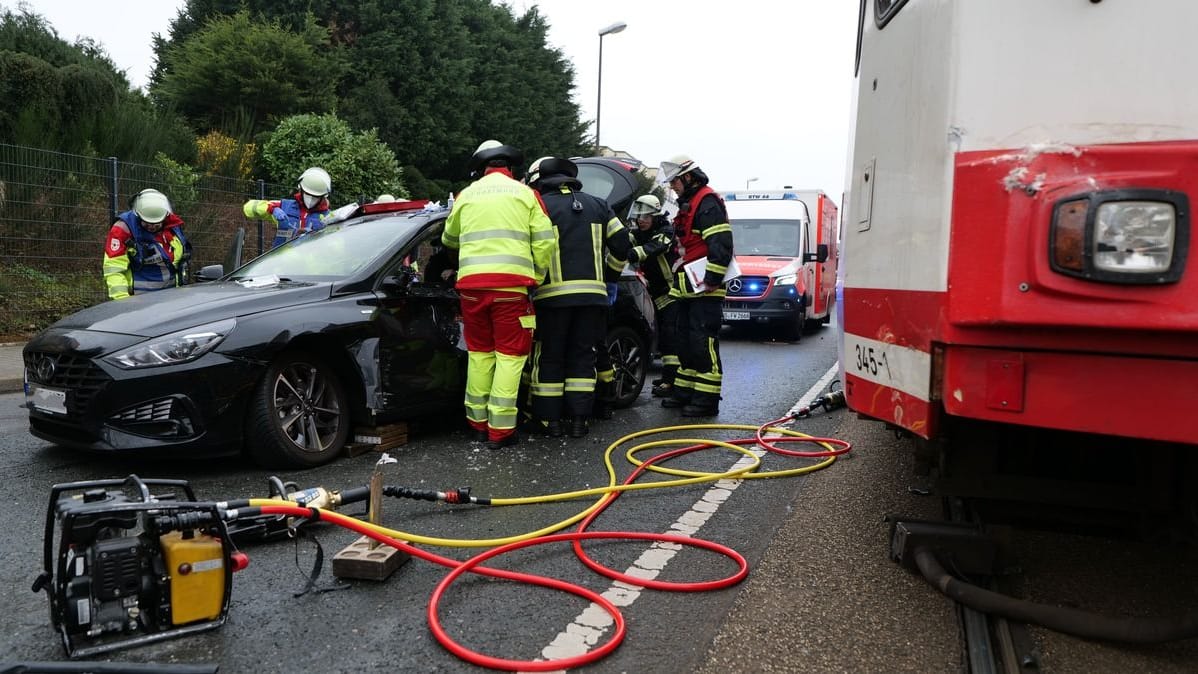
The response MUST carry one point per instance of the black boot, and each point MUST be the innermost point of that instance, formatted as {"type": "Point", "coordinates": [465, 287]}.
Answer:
{"type": "Point", "coordinates": [671, 402]}
{"type": "Point", "coordinates": [509, 441]}
{"type": "Point", "coordinates": [477, 435]}
{"type": "Point", "coordinates": [552, 428]}
{"type": "Point", "coordinates": [578, 427]}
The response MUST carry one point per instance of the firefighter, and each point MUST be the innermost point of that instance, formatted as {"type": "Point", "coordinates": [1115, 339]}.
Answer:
{"type": "Point", "coordinates": [145, 249]}
{"type": "Point", "coordinates": [654, 251]}
{"type": "Point", "coordinates": [704, 239]}
{"type": "Point", "coordinates": [306, 211]}
{"type": "Point", "coordinates": [572, 303]}
{"type": "Point", "coordinates": [504, 243]}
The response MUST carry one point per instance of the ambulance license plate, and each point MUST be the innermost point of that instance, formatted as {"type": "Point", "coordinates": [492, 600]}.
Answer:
{"type": "Point", "coordinates": [47, 399]}
{"type": "Point", "coordinates": [736, 315]}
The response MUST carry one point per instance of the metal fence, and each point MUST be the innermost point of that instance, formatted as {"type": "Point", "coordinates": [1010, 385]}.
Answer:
{"type": "Point", "coordinates": [55, 212]}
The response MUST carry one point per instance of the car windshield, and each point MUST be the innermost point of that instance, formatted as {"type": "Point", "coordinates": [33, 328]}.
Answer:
{"type": "Point", "coordinates": [332, 253]}
{"type": "Point", "coordinates": [766, 237]}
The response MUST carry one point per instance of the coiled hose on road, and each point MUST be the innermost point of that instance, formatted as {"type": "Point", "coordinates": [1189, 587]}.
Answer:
{"type": "Point", "coordinates": [831, 448]}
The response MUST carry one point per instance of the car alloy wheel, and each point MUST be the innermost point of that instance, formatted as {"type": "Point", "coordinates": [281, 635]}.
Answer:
{"type": "Point", "coordinates": [629, 360]}
{"type": "Point", "coordinates": [300, 416]}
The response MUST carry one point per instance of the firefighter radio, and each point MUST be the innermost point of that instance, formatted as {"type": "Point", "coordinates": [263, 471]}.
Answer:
{"type": "Point", "coordinates": [131, 566]}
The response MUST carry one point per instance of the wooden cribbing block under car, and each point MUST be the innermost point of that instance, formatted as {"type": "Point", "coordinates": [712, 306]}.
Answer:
{"type": "Point", "coordinates": [377, 438]}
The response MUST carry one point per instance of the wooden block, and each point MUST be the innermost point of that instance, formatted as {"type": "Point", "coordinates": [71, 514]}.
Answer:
{"type": "Point", "coordinates": [379, 438]}
{"type": "Point", "coordinates": [359, 560]}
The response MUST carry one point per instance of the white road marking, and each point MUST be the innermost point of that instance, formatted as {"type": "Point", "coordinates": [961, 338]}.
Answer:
{"type": "Point", "coordinates": [590, 626]}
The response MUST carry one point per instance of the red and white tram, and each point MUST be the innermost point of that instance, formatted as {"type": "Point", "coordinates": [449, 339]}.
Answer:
{"type": "Point", "coordinates": [1017, 230]}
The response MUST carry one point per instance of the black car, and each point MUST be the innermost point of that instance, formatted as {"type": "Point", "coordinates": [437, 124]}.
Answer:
{"type": "Point", "coordinates": [350, 325]}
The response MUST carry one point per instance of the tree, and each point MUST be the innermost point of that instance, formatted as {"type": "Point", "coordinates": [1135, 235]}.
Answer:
{"type": "Point", "coordinates": [358, 162]}
{"type": "Point", "coordinates": [238, 64]}
{"type": "Point", "coordinates": [71, 98]}
{"type": "Point", "coordinates": [433, 77]}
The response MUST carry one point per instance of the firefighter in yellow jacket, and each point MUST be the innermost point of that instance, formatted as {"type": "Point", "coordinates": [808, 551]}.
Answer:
{"type": "Point", "coordinates": [504, 241]}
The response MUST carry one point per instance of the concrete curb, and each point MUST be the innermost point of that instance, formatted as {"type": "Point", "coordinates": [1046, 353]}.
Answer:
{"type": "Point", "coordinates": [11, 385]}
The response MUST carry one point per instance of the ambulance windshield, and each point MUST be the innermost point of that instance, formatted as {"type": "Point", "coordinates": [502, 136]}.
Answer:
{"type": "Point", "coordinates": [766, 237]}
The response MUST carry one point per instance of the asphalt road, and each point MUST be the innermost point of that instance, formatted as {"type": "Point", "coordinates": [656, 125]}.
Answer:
{"type": "Point", "coordinates": [821, 596]}
{"type": "Point", "coordinates": [382, 626]}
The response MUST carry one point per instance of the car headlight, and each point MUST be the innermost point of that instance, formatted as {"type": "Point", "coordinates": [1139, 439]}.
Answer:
{"type": "Point", "coordinates": [173, 349]}
{"type": "Point", "coordinates": [787, 280]}
{"type": "Point", "coordinates": [1122, 236]}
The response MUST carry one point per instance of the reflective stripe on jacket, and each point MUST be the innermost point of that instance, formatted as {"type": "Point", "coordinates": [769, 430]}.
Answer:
{"type": "Point", "coordinates": [503, 236]}
{"type": "Point", "coordinates": [137, 261]}
{"type": "Point", "coordinates": [592, 243]}
{"type": "Point", "coordinates": [289, 215]}
{"type": "Point", "coordinates": [703, 230]}
{"type": "Point", "coordinates": [653, 249]}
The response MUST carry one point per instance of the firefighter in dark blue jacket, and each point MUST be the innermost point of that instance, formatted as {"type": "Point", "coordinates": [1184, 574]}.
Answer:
{"type": "Point", "coordinates": [572, 302]}
{"type": "Point", "coordinates": [653, 249]}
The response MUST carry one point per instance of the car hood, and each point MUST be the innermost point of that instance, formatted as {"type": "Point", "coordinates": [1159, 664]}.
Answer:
{"type": "Point", "coordinates": [174, 309]}
{"type": "Point", "coordinates": [759, 265]}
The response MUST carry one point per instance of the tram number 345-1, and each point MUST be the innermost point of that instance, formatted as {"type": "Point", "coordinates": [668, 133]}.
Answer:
{"type": "Point", "coordinates": [872, 360]}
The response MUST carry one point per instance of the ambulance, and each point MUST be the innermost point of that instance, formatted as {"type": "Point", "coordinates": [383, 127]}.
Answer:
{"type": "Point", "coordinates": [1018, 219]}
{"type": "Point", "coordinates": [785, 245]}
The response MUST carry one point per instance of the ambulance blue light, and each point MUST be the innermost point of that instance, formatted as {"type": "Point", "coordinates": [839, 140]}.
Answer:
{"type": "Point", "coordinates": [790, 196]}
{"type": "Point", "coordinates": [754, 286]}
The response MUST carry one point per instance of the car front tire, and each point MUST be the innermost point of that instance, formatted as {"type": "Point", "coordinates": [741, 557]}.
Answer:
{"type": "Point", "coordinates": [300, 413]}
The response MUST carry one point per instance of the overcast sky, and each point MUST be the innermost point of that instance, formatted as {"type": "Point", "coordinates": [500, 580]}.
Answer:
{"type": "Point", "coordinates": [748, 88]}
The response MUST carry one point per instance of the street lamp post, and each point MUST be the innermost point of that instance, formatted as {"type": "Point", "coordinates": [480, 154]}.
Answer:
{"type": "Point", "coordinates": [614, 28]}
{"type": "Point", "coordinates": [750, 180]}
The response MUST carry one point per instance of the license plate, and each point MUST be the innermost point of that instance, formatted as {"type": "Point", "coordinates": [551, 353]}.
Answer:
{"type": "Point", "coordinates": [47, 399]}
{"type": "Point", "coordinates": [736, 315]}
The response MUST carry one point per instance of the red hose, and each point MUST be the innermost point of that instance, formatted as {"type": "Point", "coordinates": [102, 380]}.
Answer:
{"type": "Point", "coordinates": [473, 564]}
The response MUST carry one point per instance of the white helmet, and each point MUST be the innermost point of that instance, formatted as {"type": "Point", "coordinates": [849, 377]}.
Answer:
{"type": "Point", "coordinates": [316, 182]}
{"type": "Point", "coordinates": [644, 205]}
{"type": "Point", "coordinates": [676, 166]}
{"type": "Point", "coordinates": [385, 199]}
{"type": "Point", "coordinates": [151, 206]}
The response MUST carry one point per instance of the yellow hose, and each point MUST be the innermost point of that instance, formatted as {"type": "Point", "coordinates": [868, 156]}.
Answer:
{"type": "Point", "coordinates": [686, 477]}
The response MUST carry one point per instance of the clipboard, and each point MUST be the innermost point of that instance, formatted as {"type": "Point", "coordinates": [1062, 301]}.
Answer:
{"type": "Point", "coordinates": [696, 270]}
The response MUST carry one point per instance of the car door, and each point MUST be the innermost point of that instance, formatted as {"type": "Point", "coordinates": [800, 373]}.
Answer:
{"type": "Point", "coordinates": [422, 355]}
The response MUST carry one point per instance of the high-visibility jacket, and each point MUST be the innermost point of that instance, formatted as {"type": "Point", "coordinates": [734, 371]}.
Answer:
{"type": "Point", "coordinates": [290, 215]}
{"type": "Point", "coordinates": [653, 249]}
{"type": "Point", "coordinates": [592, 244]}
{"type": "Point", "coordinates": [137, 261]}
{"type": "Point", "coordinates": [502, 234]}
{"type": "Point", "coordinates": [703, 230]}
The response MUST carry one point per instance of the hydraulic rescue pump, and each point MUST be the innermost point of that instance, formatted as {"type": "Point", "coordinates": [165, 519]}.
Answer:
{"type": "Point", "coordinates": [132, 565]}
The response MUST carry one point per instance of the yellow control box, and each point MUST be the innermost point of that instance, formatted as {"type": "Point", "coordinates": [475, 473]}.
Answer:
{"type": "Point", "coordinates": [196, 567]}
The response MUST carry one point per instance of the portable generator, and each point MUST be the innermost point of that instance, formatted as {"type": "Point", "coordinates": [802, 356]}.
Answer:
{"type": "Point", "coordinates": [131, 566]}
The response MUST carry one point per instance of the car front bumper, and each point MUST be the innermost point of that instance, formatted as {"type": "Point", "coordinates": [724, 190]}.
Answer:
{"type": "Point", "coordinates": [194, 409]}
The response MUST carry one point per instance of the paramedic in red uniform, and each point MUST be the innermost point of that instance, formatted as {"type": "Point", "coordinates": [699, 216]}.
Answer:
{"type": "Point", "coordinates": [145, 249]}
{"type": "Point", "coordinates": [703, 233]}
{"type": "Point", "coordinates": [504, 243]}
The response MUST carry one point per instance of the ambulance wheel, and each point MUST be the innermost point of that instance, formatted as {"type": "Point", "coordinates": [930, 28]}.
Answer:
{"type": "Point", "coordinates": [300, 413]}
{"type": "Point", "coordinates": [792, 327]}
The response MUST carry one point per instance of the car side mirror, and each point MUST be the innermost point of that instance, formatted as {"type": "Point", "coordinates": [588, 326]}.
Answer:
{"type": "Point", "coordinates": [820, 254]}
{"type": "Point", "coordinates": [211, 272]}
{"type": "Point", "coordinates": [397, 283]}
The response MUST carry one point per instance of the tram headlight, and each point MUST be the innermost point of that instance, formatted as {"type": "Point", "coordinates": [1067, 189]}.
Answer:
{"type": "Point", "coordinates": [1134, 237]}
{"type": "Point", "coordinates": [1123, 236]}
